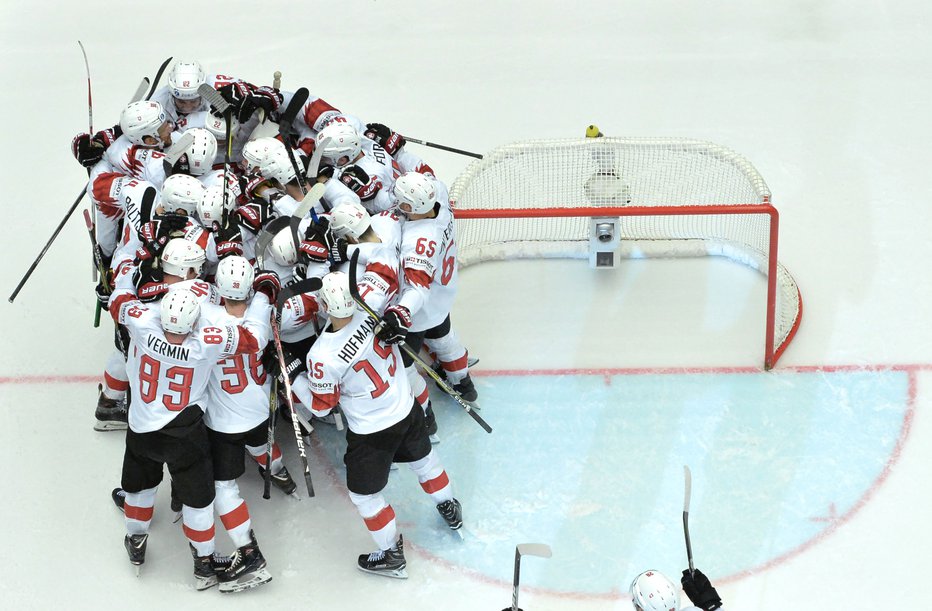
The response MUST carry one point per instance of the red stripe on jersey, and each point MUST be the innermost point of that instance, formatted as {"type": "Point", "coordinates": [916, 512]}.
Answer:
{"type": "Point", "coordinates": [114, 384]}
{"type": "Point", "coordinates": [247, 342]}
{"type": "Point", "coordinates": [381, 519]}
{"type": "Point", "coordinates": [235, 518]}
{"type": "Point", "coordinates": [322, 403]}
{"type": "Point", "coordinates": [456, 365]}
{"type": "Point", "coordinates": [313, 111]}
{"type": "Point", "coordinates": [438, 483]}
{"type": "Point", "coordinates": [418, 277]}
{"type": "Point", "coordinates": [143, 514]}
{"type": "Point", "coordinates": [198, 536]}
{"type": "Point", "coordinates": [202, 239]}
{"type": "Point", "coordinates": [387, 273]}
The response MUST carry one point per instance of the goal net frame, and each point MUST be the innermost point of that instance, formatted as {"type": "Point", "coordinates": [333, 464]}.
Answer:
{"type": "Point", "coordinates": [672, 198]}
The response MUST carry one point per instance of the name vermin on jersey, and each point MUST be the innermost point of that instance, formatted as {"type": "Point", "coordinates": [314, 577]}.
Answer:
{"type": "Point", "coordinates": [352, 346]}
{"type": "Point", "coordinates": [172, 351]}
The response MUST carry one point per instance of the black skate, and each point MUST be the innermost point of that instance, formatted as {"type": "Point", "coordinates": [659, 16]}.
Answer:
{"type": "Point", "coordinates": [246, 570]}
{"type": "Point", "coordinates": [206, 568]}
{"type": "Point", "coordinates": [119, 498]}
{"type": "Point", "coordinates": [386, 562]}
{"type": "Point", "coordinates": [466, 389]}
{"type": "Point", "coordinates": [110, 413]}
{"type": "Point", "coordinates": [281, 480]}
{"type": "Point", "coordinates": [452, 512]}
{"type": "Point", "coordinates": [136, 548]}
{"type": "Point", "coordinates": [175, 504]}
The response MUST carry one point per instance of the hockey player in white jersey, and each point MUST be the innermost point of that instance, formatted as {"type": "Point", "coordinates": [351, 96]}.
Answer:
{"type": "Point", "coordinates": [421, 314]}
{"type": "Point", "coordinates": [358, 163]}
{"type": "Point", "coordinates": [349, 366]}
{"type": "Point", "coordinates": [170, 361]}
{"type": "Point", "coordinates": [652, 591]}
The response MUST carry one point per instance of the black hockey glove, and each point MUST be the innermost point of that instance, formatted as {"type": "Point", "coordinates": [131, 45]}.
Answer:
{"type": "Point", "coordinates": [325, 172]}
{"type": "Point", "coordinates": [359, 182]}
{"type": "Point", "coordinates": [315, 244]}
{"type": "Point", "coordinates": [245, 100]}
{"type": "Point", "coordinates": [699, 590]}
{"type": "Point", "coordinates": [294, 366]}
{"type": "Point", "coordinates": [88, 149]}
{"type": "Point", "coordinates": [394, 326]}
{"type": "Point", "coordinates": [148, 280]}
{"type": "Point", "coordinates": [267, 282]}
{"type": "Point", "coordinates": [103, 289]}
{"type": "Point", "coordinates": [385, 137]}
{"type": "Point", "coordinates": [229, 239]}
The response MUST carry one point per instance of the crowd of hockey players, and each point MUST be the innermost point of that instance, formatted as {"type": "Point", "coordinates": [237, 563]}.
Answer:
{"type": "Point", "coordinates": [180, 212]}
{"type": "Point", "coordinates": [207, 292]}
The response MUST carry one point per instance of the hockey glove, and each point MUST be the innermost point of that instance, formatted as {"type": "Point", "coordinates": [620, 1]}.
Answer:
{"type": "Point", "coordinates": [315, 245]}
{"type": "Point", "coordinates": [359, 182]}
{"type": "Point", "coordinates": [294, 366]}
{"type": "Point", "coordinates": [394, 326]}
{"type": "Point", "coordinates": [254, 215]}
{"type": "Point", "coordinates": [151, 249]}
{"type": "Point", "coordinates": [88, 150]}
{"type": "Point", "coordinates": [699, 590]}
{"type": "Point", "coordinates": [148, 281]}
{"type": "Point", "coordinates": [325, 172]}
{"type": "Point", "coordinates": [103, 289]}
{"type": "Point", "coordinates": [385, 137]}
{"type": "Point", "coordinates": [267, 283]}
{"type": "Point", "coordinates": [251, 186]}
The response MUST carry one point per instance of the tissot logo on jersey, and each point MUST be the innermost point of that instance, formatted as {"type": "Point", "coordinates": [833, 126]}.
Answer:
{"type": "Point", "coordinates": [172, 351]}
{"type": "Point", "coordinates": [355, 342]}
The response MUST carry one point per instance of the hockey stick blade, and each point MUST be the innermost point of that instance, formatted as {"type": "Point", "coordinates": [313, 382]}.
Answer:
{"type": "Point", "coordinates": [313, 168]}
{"type": "Point", "coordinates": [140, 90]}
{"type": "Point", "coordinates": [688, 477]}
{"type": "Point", "coordinates": [268, 232]}
{"type": "Point", "coordinates": [307, 205]}
{"type": "Point", "coordinates": [354, 291]}
{"type": "Point", "coordinates": [213, 97]}
{"type": "Point", "coordinates": [308, 285]}
{"type": "Point", "coordinates": [178, 148]}
{"type": "Point", "coordinates": [158, 77]}
{"type": "Point", "coordinates": [291, 112]}
{"type": "Point", "coordinates": [541, 550]}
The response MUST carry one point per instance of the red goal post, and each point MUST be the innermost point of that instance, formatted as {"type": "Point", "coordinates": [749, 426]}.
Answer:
{"type": "Point", "coordinates": [670, 198]}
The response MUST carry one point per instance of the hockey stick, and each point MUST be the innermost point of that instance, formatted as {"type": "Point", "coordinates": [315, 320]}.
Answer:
{"type": "Point", "coordinates": [98, 261]}
{"type": "Point", "coordinates": [90, 131]}
{"type": "Point", "coordinates": [277, 80]}
{"type": "Point", "coordinates": [304, 286]}
{"type": "Point", "coordinates": [285, 131]}
{"type": "Point", "coordinates": [443, 148]}
{"type": "Point", "coordinates": [689, 486]}
{"type": "Point", "coordinates": [466, 405]}
{"type": "Point", "coordinates": [140, 90]}
{"type": "Point", "coordinates": [267, 485]}
{"type": "Point", "coordinates": [540, 550]}
{"type": "Point", "coordinates": [158, 77]}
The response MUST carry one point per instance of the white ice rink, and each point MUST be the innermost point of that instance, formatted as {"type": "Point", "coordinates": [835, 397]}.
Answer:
{"type": "Point", "coordinates": [810, 482]}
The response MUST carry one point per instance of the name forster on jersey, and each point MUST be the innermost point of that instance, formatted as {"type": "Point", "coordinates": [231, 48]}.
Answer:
{"type": "Point", "coordinates": [172, 351]}
{"type": "Point", "coordinates": [355, 342]}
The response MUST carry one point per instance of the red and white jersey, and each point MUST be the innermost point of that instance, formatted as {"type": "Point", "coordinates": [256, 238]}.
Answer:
{"type": "Point", "coordinates": [132, 160]}
{"type": "Point", "coordinates": [118, 197]}
{"type": "Point", "coordinates": [238, 391]}
{"type": "Point", "coordinates": [317, 114]}
{"type": "Point", "coordinates": [379, 265]}
{"type": "Point", "coordinates": [428, 260]}
{"type": "Point", "coordinates": [366, 377]}
{"type": "Point", "coordinates": [163, 95]}
{"type": "Point", "coordinates": [299, 318]}
{"type": "Point", "coordinates": [165, 378]}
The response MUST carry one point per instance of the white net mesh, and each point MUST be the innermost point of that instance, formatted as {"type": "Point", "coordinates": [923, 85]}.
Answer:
{"type": "Point", "coordinates": [675, 198]}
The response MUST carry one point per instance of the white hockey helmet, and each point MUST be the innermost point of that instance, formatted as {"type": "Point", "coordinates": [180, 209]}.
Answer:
{"type": "Point", "coordinates": [180, 310]}
{"type": "Point", "coordinates": [283, 249]}
{"type": "Point", "coordinates": [180, 256]}
{"type": "Point", "coordinates": [340, 139]}
{"type": "Point", "coordinates": [335, 295]}
{"type": "Point", "coordinates": [349, 219]}
{"type": "Point", "coordinates": [417, 191]}
{"type": "Point", "coordinates": [652, 591]}
{"type": "Point", "coordinates": [255, 152]}
{"type": "Point", "coordinates": [185, 78]}
{"type": "Point", "coordinates": [234, 278]}
{"type": "Point", "coordinates": [141, 119]}
{"type": "Point", "coordinates": [218, 127]}
{"type": "Point", "coordinates": [181, 192]}
{"type": "Point", "coordinates": [277, 166]}
{"type": "Point", "coordinates": [210, 208]}
{"type": "Point", "coordinates": [203, 151]}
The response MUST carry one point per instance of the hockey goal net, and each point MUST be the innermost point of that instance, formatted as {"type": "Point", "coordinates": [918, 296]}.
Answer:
{"type": "Point", "coordinates": [671, 197]}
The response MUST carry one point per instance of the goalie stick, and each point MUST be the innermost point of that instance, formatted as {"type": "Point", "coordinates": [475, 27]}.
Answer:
{"type": "Point", "coordinates": [303, 286]}
{"type": "Point", "coordinates": [466, 405]}
{"type": "Point", "coordinates": [540, 550]}
{"type": "Point", "coordinates": [687, 475]}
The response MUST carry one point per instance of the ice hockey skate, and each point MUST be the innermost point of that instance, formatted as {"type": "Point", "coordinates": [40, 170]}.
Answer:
{"type": "Point", "coordinates": [246, 570]}
{"type": "Point", "coordinates": [431, 420]}
{"type": "Point", "coordinates": [386, 562]}
{"type": "Point", "coordinates": [452, 513]}
{"type": "Point", "coordinates": [119, 498]}
{"type": "Point", "coordinates": [466, 389]}
{"type": "Point", "coordinates": [110, 413]}
{"type": "Point", "coordinates": [282, 480]}
{"type": "Point", "coordinates": [136, 548]}
{"type": "Point", "coordinates": [206, 568]}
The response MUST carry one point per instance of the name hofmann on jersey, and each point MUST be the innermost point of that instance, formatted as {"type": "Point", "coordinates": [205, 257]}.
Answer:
{"type": "Point", "coordinates": [351, 347]}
